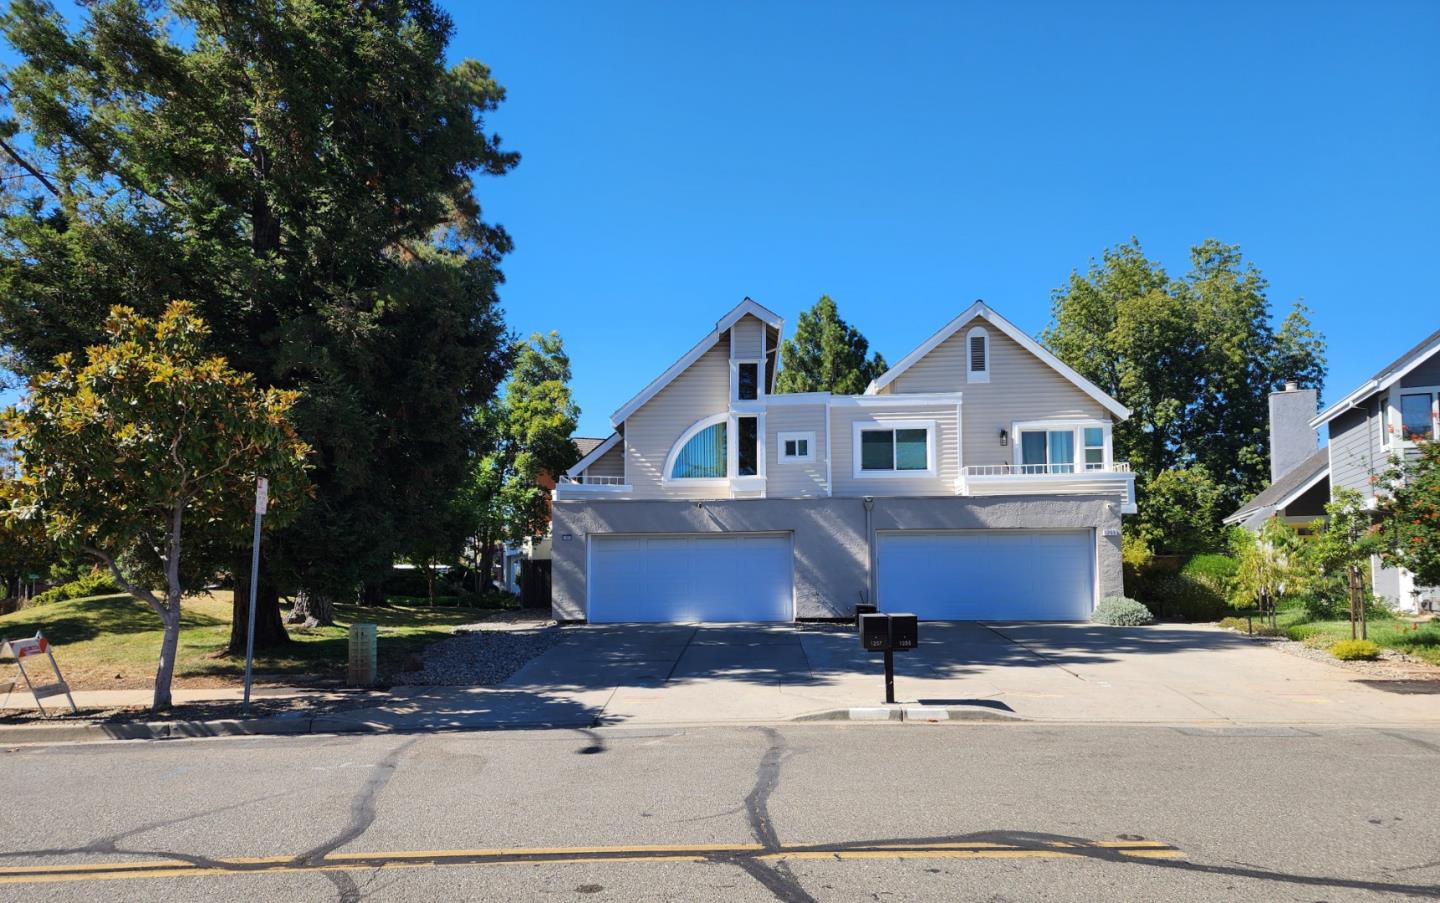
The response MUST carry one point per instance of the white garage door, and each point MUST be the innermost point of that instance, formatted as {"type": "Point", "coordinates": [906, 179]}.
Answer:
{"type": "Point", "coordinates": [690, 577]}
{"type": "Point", "coordinates": [988, 575]}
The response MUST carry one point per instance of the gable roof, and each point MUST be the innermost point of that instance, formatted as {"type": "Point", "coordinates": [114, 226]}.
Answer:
{"type": "Point", "coordinates": [983, 311]}
{"type": "Point", "coordinates": [593, 453]}
{"type": "Point", "coordinates": [1291, 485]}
{"type": "Point", "coordinates": [1388, 376]}
{"type": "Point", "coordinates": [746, 307]}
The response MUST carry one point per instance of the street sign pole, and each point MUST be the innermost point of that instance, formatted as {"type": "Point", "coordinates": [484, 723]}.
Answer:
{"type": "Point", "coordinates": [262, 491]}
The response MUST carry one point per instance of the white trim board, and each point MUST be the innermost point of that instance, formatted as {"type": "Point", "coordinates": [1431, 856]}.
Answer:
{"type": "Point", "coordinates": [1379, 383]}
{"type": "Point", "coordinates": [746, 307]}
{"type": "Point", "coordinates": [982, 310]}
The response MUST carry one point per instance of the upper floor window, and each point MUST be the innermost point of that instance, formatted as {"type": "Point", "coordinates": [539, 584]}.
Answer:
{"type": "Point", "coordinates": [796, 447]}
{"type": "Point", "coordinates": [1417, 415]}
{"type": "Point", "coordinates": [1059, 448]}
{"type": "Point", "coordinates": [703, 456]}
{"type": "Point", "coordinates": [747, 381]}
{"type": "Point", "coordinates": [977, 355]}
{"type": "Point", "coordinates": [895, 449]}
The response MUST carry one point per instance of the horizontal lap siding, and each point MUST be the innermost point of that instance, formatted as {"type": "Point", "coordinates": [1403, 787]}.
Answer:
{"type": "Point", "coordinates": [702, 390]}
{"type": "Point", "coordinates": [1021, 387]}
{"type": "Point", "coordinates": [1355, 451]}
{"type": "Point", "coordinates": [1427, 374]}
{"type": "Point", "coordinates": [796, 479]}
{"type": "Point", "coordinates": [842, 435]}
{"type": "Point", "coordinates": [749, 337]}
{"type": "Point", "coordinates": [610, 464]}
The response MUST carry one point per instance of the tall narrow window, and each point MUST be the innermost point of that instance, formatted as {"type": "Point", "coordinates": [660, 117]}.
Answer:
{"type": "Point", "coordinates": [977, 353]}
{"type": "Point", "coordinates": [1094, 448]}
{"type": "Point", "coordinates": [748, 382]}
{"type": "Point", "coordinates": [703, 457]}
{"type": "Point", "coordinates": [748, 451]}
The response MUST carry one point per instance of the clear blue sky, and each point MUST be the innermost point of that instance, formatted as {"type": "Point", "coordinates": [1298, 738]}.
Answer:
{"type": "Point", "coordinates": [909, 158]}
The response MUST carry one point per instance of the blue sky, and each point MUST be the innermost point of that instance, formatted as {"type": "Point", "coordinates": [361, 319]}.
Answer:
{"type": "Point", "coordinates": [909, 158]}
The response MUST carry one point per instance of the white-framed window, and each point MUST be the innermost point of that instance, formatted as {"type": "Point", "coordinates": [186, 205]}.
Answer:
{"type": "Point", "coordinates": [977, 355]}
{"type": "Point", "coordinates": [795, 448]}
{"type": "Point", "coordinates": [702, 452]}
{"type": "Point", "coordinates": [1415, 412]}
{"type": "Point", "coordinates": [894, 448]}
{"type": "Point", "coordinates": [1061, 447]}
{"type": "Point", "coordinates": [746, 380]}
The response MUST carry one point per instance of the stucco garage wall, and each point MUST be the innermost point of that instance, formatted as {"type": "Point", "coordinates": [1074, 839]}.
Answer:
{"type": "Point", "coordinates": [828, 536]}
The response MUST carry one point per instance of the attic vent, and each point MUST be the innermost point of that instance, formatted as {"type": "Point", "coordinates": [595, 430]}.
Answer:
{"type": "Point", "coordinates": [977, 354]}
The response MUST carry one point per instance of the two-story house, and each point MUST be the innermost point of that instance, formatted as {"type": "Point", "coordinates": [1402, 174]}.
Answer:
{"type": "Point", "coordinates": [1376, 422]}
{"type": "Point", "coordinates": [973, 480]}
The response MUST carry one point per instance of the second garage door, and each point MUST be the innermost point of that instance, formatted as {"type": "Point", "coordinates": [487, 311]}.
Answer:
{"type": "Point", "coordinates": [690, 578]}
{"type": "Point", "coordinates": [988, 575]}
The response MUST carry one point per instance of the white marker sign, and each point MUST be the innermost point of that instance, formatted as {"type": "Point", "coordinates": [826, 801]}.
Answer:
{"type": "Point", "coordinates": [262, 495]}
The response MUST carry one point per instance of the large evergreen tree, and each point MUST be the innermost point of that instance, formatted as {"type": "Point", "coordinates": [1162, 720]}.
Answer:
{"type": "Point", "coordinates": [302, 172]}
{"type": "Point", "coordinates": [826, 355]}
{"type": "Point", "coordinates": [1194, 358]}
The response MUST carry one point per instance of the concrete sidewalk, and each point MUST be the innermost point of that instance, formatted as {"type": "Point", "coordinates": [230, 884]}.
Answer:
{"type": "Point", "coordinates": [21, 700]}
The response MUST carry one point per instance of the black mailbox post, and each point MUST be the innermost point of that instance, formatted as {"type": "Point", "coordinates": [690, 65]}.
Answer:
{"type": "Point", "coordinates": [861, 609]}
{"type": "Point", "coordinates": [887, 633]}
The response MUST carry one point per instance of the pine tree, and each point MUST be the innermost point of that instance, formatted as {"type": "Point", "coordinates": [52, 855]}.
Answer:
{"type": "Point", "coordinates": [826, 355]}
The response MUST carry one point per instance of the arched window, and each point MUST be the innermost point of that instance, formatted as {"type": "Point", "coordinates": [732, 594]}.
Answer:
{"type": "Point", "coordinates": [977, 356]}
{"type": "Point", "coordinates": [702, 452]}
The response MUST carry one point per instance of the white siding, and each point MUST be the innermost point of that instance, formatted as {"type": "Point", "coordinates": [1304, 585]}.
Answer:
{"type": "Point", "coordinates": [796, 479]}
{"type": "Point", "coordinates": [610, 464]}
{"type": "Point", "coordinates": [749, 336]}
{"type": "Point", "coordinates": [1021, 387]}
{"type": "Point", "coordinates": [701, 391]}
{"type": "Point", "coordinates": [842, 420]}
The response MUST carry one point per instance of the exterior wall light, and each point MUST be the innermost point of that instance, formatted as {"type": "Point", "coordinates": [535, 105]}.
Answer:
{"type": "Point", "coordinates": [1004, 438]}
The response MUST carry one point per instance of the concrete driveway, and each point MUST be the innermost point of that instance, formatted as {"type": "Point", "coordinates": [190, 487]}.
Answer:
{"type": "Point", "coordinates": [1061, 672]}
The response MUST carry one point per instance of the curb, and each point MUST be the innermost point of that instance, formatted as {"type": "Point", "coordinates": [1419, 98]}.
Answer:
{"type": "Point", "coordinates": [925, 714]}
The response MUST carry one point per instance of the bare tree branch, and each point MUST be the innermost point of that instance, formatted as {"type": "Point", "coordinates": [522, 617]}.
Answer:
{"type": "Point", "coordinates": [161, 608]}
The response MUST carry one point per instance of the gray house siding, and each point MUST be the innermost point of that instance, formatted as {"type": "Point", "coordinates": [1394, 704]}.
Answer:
{"type": "Point", "coordinates": [1427, 374]}
{"type": "Point", "coordinates": [1355, 452]}
{"type": "Point", "coordinates": [828, 536]}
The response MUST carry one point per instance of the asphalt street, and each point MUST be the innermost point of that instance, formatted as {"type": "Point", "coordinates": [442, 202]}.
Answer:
{"type": "Point", "coordinates": [814, 812]}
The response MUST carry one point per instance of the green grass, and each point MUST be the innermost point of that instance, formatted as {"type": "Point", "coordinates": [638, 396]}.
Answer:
{"type": "Point", "coordinates": [112, 642]}
{"type": "Point", "coordinates": [1419, 640]}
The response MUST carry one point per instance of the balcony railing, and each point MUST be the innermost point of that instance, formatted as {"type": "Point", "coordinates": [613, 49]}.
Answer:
{"type": "Point", "coordinates": [1024, 470]}
{"type": "Point", "coordinates": [566, 480]}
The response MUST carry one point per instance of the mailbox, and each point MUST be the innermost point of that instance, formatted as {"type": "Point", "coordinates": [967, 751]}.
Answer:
{"type": "Point", "coordinates": [904, 631]}
{"type": "Point", "coordinates": [863, 608]}
{"type": "Point", "coordinates": [874, 632]}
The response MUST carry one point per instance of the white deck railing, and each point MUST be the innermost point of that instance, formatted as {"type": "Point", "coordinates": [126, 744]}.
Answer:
{"type": "Point", "coordinates": [568, 480]}
{"type": "Point", "coordinates": [1025, 470]}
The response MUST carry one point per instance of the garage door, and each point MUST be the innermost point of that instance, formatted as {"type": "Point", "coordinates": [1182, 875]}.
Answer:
{"type": "Point", "coordinates": [988, 575]}
{"type": "Point", "coordinates": [689, 577]}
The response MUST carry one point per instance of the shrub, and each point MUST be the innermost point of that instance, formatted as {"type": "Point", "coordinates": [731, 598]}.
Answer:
{"type": "Point", "coordinates": [1118, 611]}
{"type": "Point", "coordinates": [95, 583]}
{"type": "Point", "coordinates": [1182, 597]}
{"type": "Point", "coordinates": [1355, 651]}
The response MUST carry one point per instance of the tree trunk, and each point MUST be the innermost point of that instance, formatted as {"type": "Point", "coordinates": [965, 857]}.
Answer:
{"type": "Point", "coordinates": [269, 627]}
{"type": "Point", "coordinates": [169, 646]}
{"type": "Point", "coordinates": [487, 565]}
{"type": "Point", "coordinates": [312, 610]}
{"type": "Point", "coordinates": [372, 594]}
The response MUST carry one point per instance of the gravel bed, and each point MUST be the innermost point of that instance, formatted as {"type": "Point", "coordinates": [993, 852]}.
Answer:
{"type": "Point", "coordinates": [481, 654]}
{"type": "Point", "coordinates": [1391, 664]}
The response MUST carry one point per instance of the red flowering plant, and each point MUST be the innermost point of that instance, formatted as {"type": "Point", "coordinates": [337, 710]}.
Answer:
{"type": "Point", "coordinates": [1409, 506]}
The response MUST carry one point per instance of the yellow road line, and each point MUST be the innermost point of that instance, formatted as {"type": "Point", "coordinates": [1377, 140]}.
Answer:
{"type": "Point", "coordinates": [176, 868]}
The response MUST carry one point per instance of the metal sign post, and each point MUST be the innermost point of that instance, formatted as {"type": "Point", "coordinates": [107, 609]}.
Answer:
{"type": "Point", "coordinates": [262, 497]}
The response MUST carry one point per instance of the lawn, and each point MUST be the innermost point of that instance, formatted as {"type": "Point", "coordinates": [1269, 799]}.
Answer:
{"type": "Point", "coordinates": [111, 642]}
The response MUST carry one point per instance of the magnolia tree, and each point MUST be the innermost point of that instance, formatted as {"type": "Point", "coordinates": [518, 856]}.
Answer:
{"type": "Point", "coordinates": [144, 457]}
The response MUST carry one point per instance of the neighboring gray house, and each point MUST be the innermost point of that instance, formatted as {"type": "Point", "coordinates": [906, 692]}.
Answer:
{"type": "Point", "coordinates": [1365, 429]}
{"type": "Point", "coordinates": [973, 480]}
{"type": "Point", "coordinates": [1299, 468]}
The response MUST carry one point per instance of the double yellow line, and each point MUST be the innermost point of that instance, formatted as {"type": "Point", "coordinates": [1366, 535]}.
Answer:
{"type": "Point", "coordinates": [178, 868]}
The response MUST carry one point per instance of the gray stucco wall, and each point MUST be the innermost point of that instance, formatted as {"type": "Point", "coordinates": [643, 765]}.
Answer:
{"type": "Point", "coordinates": [829, 540]}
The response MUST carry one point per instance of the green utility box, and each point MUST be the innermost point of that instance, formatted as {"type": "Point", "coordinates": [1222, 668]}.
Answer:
{"type": "Point", "coordinates": [363, 668]}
